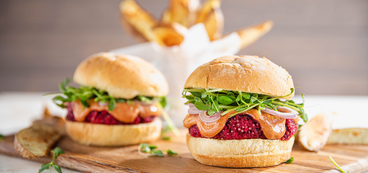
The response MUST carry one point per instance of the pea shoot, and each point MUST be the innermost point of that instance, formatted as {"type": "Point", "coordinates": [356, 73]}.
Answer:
{"type": "Point", "coordinates": [85, 93]}
{"type": "Point", "coordinates": [57, 151]}
{"type": "Point", "coordinates": [216, 100]}
{"type": "Point", "coordinates": [151, 150]}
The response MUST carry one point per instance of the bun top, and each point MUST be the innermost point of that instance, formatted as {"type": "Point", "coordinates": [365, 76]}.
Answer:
{"type": "Point", "coordinates": [245, 73]}
{"type": "Point", "coordinates": [122, 76]}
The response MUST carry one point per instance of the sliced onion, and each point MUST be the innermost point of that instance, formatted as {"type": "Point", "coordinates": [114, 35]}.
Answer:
{"type": "Point", "coordinates": [209, 119]}
{"type": "Point", "coordinates": [102, 104]}
{"type": "Point", "coordinates": [192, 109]}
{"type": "Point", "coordinates": [283, 112]}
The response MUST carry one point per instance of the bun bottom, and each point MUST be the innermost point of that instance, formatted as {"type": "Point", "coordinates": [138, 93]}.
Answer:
{"type": "Point", "coordinates": [240, 153]}
{"type": "Point", "coordinates": [113, 135]}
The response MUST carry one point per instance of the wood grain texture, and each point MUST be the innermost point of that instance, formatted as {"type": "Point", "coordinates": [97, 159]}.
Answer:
{"type": "Point", "coordinates": [353, 158]}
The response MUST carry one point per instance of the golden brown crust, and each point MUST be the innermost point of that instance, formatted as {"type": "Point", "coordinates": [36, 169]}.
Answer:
{"type": "Point", "coordinates": [113, 135]}
{"type": "Point", "coordinates": [245, 73]}
{"type": "Point", "coordinates": [240, 153]}
{"type": "Point", "coordinates": [122, 76]}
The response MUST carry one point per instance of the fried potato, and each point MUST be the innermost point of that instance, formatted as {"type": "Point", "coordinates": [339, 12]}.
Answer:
{"type": "Point", "coordinates": [36, 141]}
{"type": "Point", "coordinates": [314, 134]}
{"type": "Point", "coordinates": [182, 12]}
{"type": "Point", "coordinates": [251, 34]}
{"type": "Point", "coordinates": [349, 136]}
{"type": "Point", "coordinates": [206, 9]}
{"type": "Point", "coordinates": [214, 24]}
{"type": "Point", "coordinates": [137, 20]}
{"type": "Point", "coordinates": [169, 34]}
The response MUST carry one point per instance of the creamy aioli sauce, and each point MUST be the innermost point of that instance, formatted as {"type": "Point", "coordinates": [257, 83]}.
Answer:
{"type": "Point", "coordinates": [123, 112]}
{"type": "Point", "coordinates": [273, 127]}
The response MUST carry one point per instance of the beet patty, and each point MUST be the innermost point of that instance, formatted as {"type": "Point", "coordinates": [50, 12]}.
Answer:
{"type": "Point", "coordinates": [243, 126]}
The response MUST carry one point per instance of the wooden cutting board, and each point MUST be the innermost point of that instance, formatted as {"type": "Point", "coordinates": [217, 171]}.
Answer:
{"type": "Point", "coordinates": [353, 158]}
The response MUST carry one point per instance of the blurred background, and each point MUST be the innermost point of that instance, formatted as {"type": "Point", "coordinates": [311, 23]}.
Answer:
{"type": "Point", "coordinates": [323, 44]}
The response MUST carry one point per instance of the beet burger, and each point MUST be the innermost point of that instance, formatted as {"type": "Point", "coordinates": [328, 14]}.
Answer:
{"type": "Point", "coordinates": [240, 113]}
{"type": "Point", "coordinates": [118, 102]}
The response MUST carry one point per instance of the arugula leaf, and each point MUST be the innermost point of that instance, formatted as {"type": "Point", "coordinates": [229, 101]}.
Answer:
{"type": "Point", "coordinates": [290, 160]}
{"type": "Point", "coordinates": [171, 153]}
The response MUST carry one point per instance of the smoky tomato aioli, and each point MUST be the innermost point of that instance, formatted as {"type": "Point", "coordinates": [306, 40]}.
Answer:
{"type": "Point", "coordinates": [123, 113]}
{"type": "Point", "coordinates": [244, 124]}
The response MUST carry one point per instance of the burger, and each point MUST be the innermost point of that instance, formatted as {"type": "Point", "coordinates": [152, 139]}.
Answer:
{"type": "Point", "coordinates": [241, 113]}
{"type": "Point", "coordinates": [118, 102]}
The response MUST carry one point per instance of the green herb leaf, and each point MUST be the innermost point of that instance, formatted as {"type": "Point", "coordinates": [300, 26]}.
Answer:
{"type": "Point", "coordinates": [57, 168]}
{"type": "Point", "coordinates": [201, 106]}
{"type": "Point", "coordinates": [2, 137]}
{"type": "Point", "coordinates": [145, 99]}
{"type": "Point", "coordinates": [112, 104]}
{"type": "Point", "coordinates": [57, 151]}
{"type": "Point", "coordinates": [162, 101]}
{"type": "Point", "coordinates": [62, 85]}
{"type": "Point", "coordinates": [225, 100]}
{"type": "Point", "coordinates": [246, 96]}
{"type": "Point", "coordinates": [166, 138]}
{"type": "Point", "coordinates": [337, 166]}
{"type": "Point", "coordinates": [44, 167]}
{"type": "Point", "coordinates": [84, 94]}
{"type": "Point", "coordinates": [196, 94]}
{"type": "Point", "coordinates": [158, 153]}
{"type": "Point", "coordinates": [216, 100]}
{"type": "Point", "coordinates": [290, 160]}
{"type": "Point", "coordinates": [171, 153]}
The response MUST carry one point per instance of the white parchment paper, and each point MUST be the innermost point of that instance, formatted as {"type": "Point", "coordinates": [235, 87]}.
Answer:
{"type": "Point", "coordinates": [178, 62]}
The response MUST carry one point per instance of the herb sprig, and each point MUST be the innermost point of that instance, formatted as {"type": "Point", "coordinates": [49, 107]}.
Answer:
{"type": "Point", "coordinates": [152, 150]}
{"type": "Point", "coordinates": [85, 93]}
{"type": "Point", "coordinates": [290, 160]}
{"type": "Point", "coordinates": [216, 100]}
{"type": "Point", "coordinates": [57, 151]}
{"type": "Point", "coordinates": [337, 166]}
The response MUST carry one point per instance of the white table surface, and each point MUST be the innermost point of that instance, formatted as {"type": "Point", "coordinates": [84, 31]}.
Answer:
{"type": "Point", "coordinates": [19, 109]}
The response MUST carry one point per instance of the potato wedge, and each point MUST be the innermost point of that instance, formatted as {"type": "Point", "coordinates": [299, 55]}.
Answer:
{"type": "Point", "coordinates": [314, 134]}
{"type": "Point", "coordinates": [207, 9]}
{"type": "Point", "coordinates": [251, 34]}
{"type": "Point", "coordinates": [137, 20]}
{"type": "Point", "coordinates": [182, 12]}
{"type": "Point", "coordinates": [36, 141]}
{"type": "Point", "coordinates": [214, 24]}
{"type": "Point", "coordinates": [169, 34]}
{"type": "Point", "coordinates": [349, 136]}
